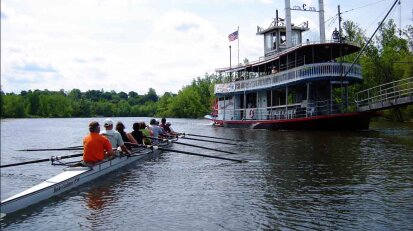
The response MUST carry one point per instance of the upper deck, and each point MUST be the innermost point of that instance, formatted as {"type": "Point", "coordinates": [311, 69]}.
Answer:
{"type": "Point", "coordinates": [301, 54]}
{"type": "Point", "coordinates": [306, 73]}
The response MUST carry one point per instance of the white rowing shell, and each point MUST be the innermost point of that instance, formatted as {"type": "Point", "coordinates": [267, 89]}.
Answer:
{"type": "Point", "coordinates": [70, 178]}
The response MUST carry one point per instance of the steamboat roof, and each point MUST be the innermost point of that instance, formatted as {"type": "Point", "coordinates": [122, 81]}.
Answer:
{"type": "Point", "coordinates": [281, 26]}
{"type": "Point", "coordinates": [314, 51]}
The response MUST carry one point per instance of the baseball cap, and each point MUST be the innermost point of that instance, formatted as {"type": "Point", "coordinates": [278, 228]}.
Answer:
{"type": "Point", "coordinates": [107, 122]}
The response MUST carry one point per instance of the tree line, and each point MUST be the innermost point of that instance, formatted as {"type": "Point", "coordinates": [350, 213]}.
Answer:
{"type": "Point", "coordinates": [193, 101]}
{"type": "Point", "coordinates": [389, 57]}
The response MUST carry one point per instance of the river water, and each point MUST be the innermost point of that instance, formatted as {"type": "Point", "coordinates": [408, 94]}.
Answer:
{"type": "Point", "coordinates": [295, 181]}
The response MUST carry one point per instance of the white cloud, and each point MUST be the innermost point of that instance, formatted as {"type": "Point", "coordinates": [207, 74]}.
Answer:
{"type": "Point", "coordinates": [102, 49]}
{"type": "Point", "coordinates": [130, 45]}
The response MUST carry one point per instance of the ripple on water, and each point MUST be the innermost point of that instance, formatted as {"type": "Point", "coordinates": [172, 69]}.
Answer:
{"type": "Point", "coordinates": [299, 181]}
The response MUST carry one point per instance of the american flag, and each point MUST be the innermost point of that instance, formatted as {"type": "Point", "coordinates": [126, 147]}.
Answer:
{"type": "Point", "coordinates": [233, 36]}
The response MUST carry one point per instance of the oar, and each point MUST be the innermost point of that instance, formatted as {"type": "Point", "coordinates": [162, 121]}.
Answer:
{"type": "Point", "coordinates": [198, 154]}
{"type": "Point", "coordinates": [212, 137]}
{"type": "Point", "coordinates": [53, 158]}
{"type": "Point", "coordinates": [211, 141]}
{"type": "Point", "coordinates": [196, 146]}
{"type": "Point", "coordinates": [192, 145]}
{"type": "Point", "coordinates": [52, 149]}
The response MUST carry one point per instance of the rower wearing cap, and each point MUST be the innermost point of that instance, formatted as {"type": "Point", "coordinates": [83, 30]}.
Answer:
{"type": "Point", "coordinates": [96, 146]}
{"type": "Point", "coordinates": [114, 137]}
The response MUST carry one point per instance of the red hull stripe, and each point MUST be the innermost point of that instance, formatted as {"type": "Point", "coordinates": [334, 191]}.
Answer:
{"type": "Point", "coordinates": [322, 117]}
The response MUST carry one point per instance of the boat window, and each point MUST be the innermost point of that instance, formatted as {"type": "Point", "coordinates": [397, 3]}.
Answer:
{"type": "Point", "coordinates": [251, 100]}
{"type": "Point", "coordinates": [295, 37]}
{"type": "Point", "coordinates": [268, 43]}
{"type": "Point", "coordinates": [274, 41]}
{"type": "Point", "coordinates": [283, 38]}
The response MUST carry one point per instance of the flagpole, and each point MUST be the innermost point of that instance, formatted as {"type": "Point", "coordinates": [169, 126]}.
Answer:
{"type": "Point", "coordinates": [230, 67]}
{"type": "Point", "coordinates": [238, 45]}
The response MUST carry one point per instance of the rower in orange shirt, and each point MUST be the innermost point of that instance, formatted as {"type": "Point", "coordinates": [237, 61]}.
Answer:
{"type": "Point", "coordinates": [95, 146]}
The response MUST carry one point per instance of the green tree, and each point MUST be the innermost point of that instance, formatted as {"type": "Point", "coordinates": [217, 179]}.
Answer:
{"type": "Point", "coordinates": [34, 103]}
{"type": "Point", "coordinates": [150, 96]}
{"type": "Point", "coordinates": [104, 108]}
{"type": "Point", "coordinates": [75, 94]}
{"type": "Point", "coordinates": [187, 104]}
{"type": "Point", "coordinates": [132, 94]}
{"type": "Point", "coordinates": [123, 108]}
{"type": "Point", "coordinates": [163, 105]}
{"type": "Point", "coordinates": [123, 95]}
{"type": "Point", "coordinates": [2, 104]}
{"type": "Point", "coordinates": [85, 108]}
{"type": "Point", "coordinates": [13, 106]}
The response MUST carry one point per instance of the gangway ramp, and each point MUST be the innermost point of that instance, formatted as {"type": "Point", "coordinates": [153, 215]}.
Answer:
{"type": "Point", "coordinates": [390, 95]}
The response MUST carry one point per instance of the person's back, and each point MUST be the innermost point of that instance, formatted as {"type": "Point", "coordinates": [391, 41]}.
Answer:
{"type": "Point", "coordinates": [156, 131]}
{"type": "Point", "coordinates": [167, 128]}
{"type": "Point", "coordinates": [170, 131]}
{"type": "Point", "coordinates": [95, 145]}
{"type": "Point", "coordinates": [127, 138]}
{"type": "Point", "coordinates": [145, 132]}
{"type": "Point", "coordinates": [113, 136]}
{"type": "Point", "coordinates": [163, 125]}
{"type": "Point", "coordinates": [137, 134]}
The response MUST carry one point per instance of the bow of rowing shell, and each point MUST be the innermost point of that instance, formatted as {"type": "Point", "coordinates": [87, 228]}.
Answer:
{"type": "Point", "coordinates": [73, 177]}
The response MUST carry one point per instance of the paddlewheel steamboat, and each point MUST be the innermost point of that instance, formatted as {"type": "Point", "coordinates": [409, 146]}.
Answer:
{"type": "Point", "coordinates": [295, 85]}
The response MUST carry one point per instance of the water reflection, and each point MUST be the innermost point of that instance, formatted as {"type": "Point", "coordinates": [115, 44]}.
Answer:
{"type": "Point", "coordinates": [102, 196]}
{"type": "Point", "coordinates": [97, 198]}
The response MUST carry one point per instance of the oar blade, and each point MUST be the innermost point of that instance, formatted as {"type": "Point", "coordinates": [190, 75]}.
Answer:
{"type": "Point", "coordinates": [197, 146]}
{"type": "Point", "coordinates": [214, 137]}
{"type": "Point", "coordinates": [202, 155]}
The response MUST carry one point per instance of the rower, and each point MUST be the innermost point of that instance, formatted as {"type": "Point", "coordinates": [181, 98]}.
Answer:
{"type": "Point", "coordinates": [114, 137]}
{"type": "Point", "coordinates": [163, 124]}
{"type": "Point", "coordinates": [136, 133]}
{"type": "Point", "coordinates": [96, 146]}
{"type": "Point", "coordinates": [170, 131]}
{"type": "Point", "coordinates": [157, 131]}
{"type": "Point", "coordinates": [126, 136]}
{"type": "Point", "coordinates": [146, 131]}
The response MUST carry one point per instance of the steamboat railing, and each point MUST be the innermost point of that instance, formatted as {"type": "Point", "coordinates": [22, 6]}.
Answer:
{"type": "Point", "coordinates": [298, 110]}
{"type": "Point", "coordinates": [396, 93]}
{"type": "Point", "coordinates": [283, 52]}
{"type": "Point", "coordinates": [311, 71]}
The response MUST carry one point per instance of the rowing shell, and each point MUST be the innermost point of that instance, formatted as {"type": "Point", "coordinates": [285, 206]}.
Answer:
{"type": "Point", "coordinates": [72, 177]}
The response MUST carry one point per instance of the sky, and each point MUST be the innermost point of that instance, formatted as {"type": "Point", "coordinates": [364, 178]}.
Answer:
{"type": "Point", "coordinates": [134, 45]}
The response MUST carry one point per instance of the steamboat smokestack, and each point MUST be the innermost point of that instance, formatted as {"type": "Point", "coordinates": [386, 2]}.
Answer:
{"type": "Point", "coordinates": [321, 21]}
{"type": "Point", "coordinates": [288, 22]}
